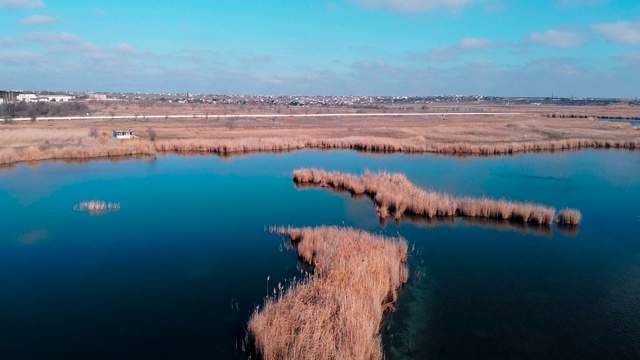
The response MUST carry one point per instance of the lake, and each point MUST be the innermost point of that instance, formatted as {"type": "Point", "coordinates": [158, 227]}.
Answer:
{"type": "Point", "coordinates": [177, 270]}
{"type": "Point", "coordinates": [632, 122]}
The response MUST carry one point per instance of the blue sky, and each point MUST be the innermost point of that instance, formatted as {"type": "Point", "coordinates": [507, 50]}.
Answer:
{"type": "Point", "coordinates": [296, 47]}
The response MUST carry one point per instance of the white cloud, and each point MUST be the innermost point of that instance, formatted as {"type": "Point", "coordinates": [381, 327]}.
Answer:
{"type": "Point", "coordinates": [456, 50]}
{"type": "Point", "coordinates": [558, 38]}
{"type": "Point", "coordinates": [21, 4]}
{"type": "Point", "coordinates": [415, 5]}
{"type": "Point", "coordinates": [475, 44]}
{"type": "Point", "coordinates": [127, 49]}
{"type": "Point", "coordinates": [7, 42]}
{"type": "Point", "coordinates": [256, 59]}
{"type": "Point", "coordinates": [52, 38]}
{"type": "Point", "coordinates": [19, 57]}
{"type": "Point", "coordinates": [629, 58]}
{"type": "Point", "coordinates": [99, 12]}
{"type": "Point", "coordinates": [35, 20]}
{"type": "Point", "coordinates": [573, 3]}
{"type": "Point", "coordinates": [624, 32]}
{"type": "Point", "coordinates": [331, 6]}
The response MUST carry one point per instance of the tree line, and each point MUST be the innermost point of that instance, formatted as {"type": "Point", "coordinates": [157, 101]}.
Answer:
{"type": "Point", "coordinates": [23, 109]}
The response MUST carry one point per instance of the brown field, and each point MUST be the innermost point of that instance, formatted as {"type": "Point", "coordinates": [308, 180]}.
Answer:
{"type": "Point", "coordinates": [533, 130]}
{"type": "Point", "coordinates": [337, 313]}
{"type": "Point", "coordinates": [394, 193]}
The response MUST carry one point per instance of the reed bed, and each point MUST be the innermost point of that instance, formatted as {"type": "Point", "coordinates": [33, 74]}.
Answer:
{"type": "Point", "coordinates": [28, 137]}
{"type": "Point", "coordinates": [395, 194]}
{"type": "Point", "coordinates": [385, 145]}
{"type": "Point", "coordinates": [78, 151]}
{"type": "Point", "coordinates": [95, 207]}
{"type": "Point", "coordinates": [19, 143]}
{"type": "Point", "coordinates": [337, 313]}
{"type": "Point", "coordinates": [569, 217]}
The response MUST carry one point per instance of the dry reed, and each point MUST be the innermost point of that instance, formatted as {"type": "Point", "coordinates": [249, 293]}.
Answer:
{"type": "Point", "coordinates": [384, 145]}
{"type": "Point", "coordinates": [569, 217]}
{"type": "Point", "coordinates": [17, 145]}
{"type": "Point", "coordinates": [394, 193]}
{"type": "Point", "coordinates": [337, 313]}
{"type": "Point", "coordinates": [95, 207]}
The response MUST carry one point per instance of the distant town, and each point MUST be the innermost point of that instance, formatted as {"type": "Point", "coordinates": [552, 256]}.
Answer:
{"type": "Point", "coordinates": [7, 97]}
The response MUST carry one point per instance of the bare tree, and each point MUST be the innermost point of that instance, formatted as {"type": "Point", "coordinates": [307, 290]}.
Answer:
{"type": "Point", "coordinates": [152, 134]}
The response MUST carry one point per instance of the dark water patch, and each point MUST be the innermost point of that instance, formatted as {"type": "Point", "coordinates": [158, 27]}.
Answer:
{"type": "Point", "coordinates": [178, 270]}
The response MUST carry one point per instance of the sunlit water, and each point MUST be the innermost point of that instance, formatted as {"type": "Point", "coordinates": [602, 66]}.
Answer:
{"type": "Point", "coordinates": [178, 269]}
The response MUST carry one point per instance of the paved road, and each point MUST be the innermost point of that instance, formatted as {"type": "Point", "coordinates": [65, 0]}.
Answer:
{"type": "Point", "coordinates": [236, 116]}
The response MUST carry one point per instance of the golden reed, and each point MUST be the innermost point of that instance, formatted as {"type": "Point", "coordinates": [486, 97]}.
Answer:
{"type": "Point", "coordinates": [337, 313]}
{"type": "Point", "coordinates": [394, 193]}
{"type": "Point", "coordinates": [87, 147]}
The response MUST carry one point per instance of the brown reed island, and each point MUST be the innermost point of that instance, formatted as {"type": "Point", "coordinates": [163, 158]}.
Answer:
{"type": "Point", "coordinates": [569, 217]}
{"type": "Point", "coordinates": [337, 313]}
{"type": "Point", "coordinates": [95, 207]}
{"type": "Point", "coordinates": [394, 193]}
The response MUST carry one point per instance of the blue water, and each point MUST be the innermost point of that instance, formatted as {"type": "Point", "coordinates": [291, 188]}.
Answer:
{"type": "Point", "coordinates": [178, 269]}
{"type": "Point", "coordinates": [632, 122]}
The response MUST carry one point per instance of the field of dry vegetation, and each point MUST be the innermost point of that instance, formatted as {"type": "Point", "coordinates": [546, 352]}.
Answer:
{"type": "Point", "coordinates": [336, 313]}
{"type": "Point", "coordinates": [534, 129]}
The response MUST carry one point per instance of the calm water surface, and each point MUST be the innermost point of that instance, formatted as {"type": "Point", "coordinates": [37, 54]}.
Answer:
{"type": "Point", "coordinates": [632, 122]}
{"type": "Point", "coordinates": [177, 271]}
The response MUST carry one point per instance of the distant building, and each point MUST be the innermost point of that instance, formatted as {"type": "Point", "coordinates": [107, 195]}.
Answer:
{"type": "Point", "coordinates": [98, 97]}
{"type": "Point", "coordinates": [32, 98]}
{"type": "Point", "coordinates": [27, 98]}
{"type": "Point", "coordinates": [58, 98]}
{"type": "Point", "coordinates": [123, 134]}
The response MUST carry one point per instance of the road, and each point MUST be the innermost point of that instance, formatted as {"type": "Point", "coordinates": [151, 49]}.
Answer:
{"type": "Point", "coordinates": [237, 116]}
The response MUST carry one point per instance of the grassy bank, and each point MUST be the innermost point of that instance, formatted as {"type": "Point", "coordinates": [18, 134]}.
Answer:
{"type": "Point", "coordinates": [384, 145]}
{"type": "Point", "coordinates": [87, 149]}
{"type": "Point", "coordinates": [459, 135]}
{"type": "Point", "coordinates": [337, 313]}
{"type": "Point", "coordinates": [395, 194]}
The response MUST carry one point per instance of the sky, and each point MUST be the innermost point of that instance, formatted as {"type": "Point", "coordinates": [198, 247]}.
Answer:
{"type": "Point", "coordinates": [582, 48]}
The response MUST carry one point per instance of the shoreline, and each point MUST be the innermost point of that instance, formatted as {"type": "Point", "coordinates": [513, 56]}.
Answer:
{"type": "Point", "coordinates": [458, 134]}
{"type": "Point", "coordinates": [232, 147]}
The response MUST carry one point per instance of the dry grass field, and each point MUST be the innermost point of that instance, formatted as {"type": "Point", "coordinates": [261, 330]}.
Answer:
{"type": "Point", "coordinates": [532, 129]}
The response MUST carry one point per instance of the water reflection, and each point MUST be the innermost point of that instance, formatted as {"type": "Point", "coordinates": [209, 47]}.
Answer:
{"type": "Point", "coordinates": [32, 237]}
{"type": "Point", "coordinates": [453, 221]}
{"type": "Point", "coordinates": [484, 223]}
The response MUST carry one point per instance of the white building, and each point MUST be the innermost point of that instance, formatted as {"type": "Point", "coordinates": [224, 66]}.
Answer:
{"type": "Point", "coordinates": [123, 134]}
{"type": "Point", "coordinates": [99, 97]}
{"type": "Point", "coordinates": [31, 98]}
{"type": "Point", "coordinates": [59, 98]}
{"type": "Point", "coordinates": [27, 98]}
